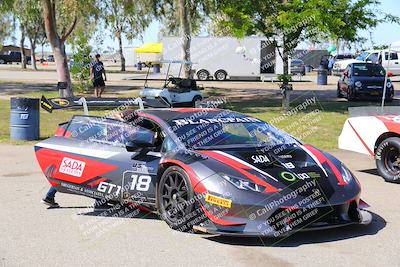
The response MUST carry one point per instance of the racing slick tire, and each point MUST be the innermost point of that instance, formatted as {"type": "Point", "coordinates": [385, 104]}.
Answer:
{"type": "Point", "coordinates": [175, 198]}
{"type": "Point", "coordinates": [195, 99]}
{"type": "Point", "coordinates": [220, 75]}
{"type": "Point", "coordinates": [387, 158]}
{"type": "Point", "coordinates": [203, 75]}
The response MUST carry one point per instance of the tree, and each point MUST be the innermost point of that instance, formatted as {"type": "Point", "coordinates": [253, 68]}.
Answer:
{"type": "Point", "coordinates": [183, 17]}
{"type": "Point", "coordinates": [126, 18]}
{"type": "Point", "coordinates": [60, 20]}
{"type": "Point", "coordinates": [30, 16]}
{"type": "Point", "coordinates": [287, 23]}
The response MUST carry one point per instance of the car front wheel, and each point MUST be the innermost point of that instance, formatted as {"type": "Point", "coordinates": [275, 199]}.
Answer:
{"type": "Point", "coordinates": [174, 195]}
{"type": "Point", "coordinates": [387, 157]}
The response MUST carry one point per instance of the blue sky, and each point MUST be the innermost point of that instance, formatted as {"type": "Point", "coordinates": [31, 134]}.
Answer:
{"type": "Point", "coordinates": [385, 33]}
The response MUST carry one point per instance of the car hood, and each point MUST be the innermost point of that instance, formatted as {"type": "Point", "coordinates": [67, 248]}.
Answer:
{"type": "Point", "coordinates": [283, 168]}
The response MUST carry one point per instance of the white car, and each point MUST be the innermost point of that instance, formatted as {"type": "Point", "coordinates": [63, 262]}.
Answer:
{"type": "Point", "coordinates": [374, 56]}
{"type": "Point", "coordinates": [377, 136]}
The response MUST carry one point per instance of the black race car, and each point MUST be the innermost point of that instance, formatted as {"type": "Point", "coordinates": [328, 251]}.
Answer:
{"type": "Point", "coordinates": [211, 170]}
{"type": "Point", "coordinates": [364, 80]}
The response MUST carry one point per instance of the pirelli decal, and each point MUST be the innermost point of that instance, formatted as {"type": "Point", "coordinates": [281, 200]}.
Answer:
{"type": "Point", "coordinates": [223, 202]}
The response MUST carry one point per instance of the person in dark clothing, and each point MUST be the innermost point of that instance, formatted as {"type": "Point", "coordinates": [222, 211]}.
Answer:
{"type": "Point", "coordinates": [96, 75]}
{"type": "Point", "coordinates": [49, 198]}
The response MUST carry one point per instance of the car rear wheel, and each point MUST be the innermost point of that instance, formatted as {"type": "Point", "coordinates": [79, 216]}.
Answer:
{"type": "Point", "coordinates": [220, 75]}
{"type": "Point", "coordinates": [203, 75]}
{"type": "Point", "coordinates": [387, 157]}
{"type": "Point", "coordinates": [175, 199]}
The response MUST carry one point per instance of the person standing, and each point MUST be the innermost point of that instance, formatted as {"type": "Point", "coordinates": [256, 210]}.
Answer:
{"type": "Point", "coordinates": [96, 75]}
{"type": "Point", "coordinates": [330, 64]}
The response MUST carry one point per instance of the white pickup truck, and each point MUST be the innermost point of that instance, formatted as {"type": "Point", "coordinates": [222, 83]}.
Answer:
{"type": "Point", "coordinates": [374, 56]}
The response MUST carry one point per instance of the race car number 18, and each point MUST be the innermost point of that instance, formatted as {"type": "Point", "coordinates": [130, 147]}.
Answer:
{"type": "Point", "coordinates": [140, 183]}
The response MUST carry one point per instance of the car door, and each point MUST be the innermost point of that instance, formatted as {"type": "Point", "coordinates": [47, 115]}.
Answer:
{"type": "Point", "coordinates": [392, 65]}
{"type": "Point", "coordinates": [109, 170]}
{"type": "Point", "coordinates": [139, 178]}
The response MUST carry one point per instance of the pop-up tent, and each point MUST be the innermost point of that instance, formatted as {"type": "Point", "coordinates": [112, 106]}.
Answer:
{"type": "Point", "coordinates": [392, 47]}
{"type": "Point", "coordinates": [150, 48]}
{"type": "Point", "coordinates": [149, 53]}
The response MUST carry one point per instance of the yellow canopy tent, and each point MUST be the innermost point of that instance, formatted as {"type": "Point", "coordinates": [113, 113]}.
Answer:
{"type": "Point", "coordinates": [150, 48]}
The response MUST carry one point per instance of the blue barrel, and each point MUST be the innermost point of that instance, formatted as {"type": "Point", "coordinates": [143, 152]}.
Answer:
{"type": "Point", "coordinates": [322, 76]}
{"type": "Point", "coordinates": [156, 68]}
{"type": "Point", "coordinates": [24, 118]}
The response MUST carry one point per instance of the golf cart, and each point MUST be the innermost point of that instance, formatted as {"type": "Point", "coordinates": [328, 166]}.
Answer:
{"type": "Point", "coordinates": [177, 91]}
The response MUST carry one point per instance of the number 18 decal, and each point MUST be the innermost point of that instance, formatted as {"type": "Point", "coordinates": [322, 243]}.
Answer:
{"type": "Point", "coordinates": [140, 182]}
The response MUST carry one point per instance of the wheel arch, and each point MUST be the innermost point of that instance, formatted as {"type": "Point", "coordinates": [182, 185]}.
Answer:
{"type": "Point", "coordinates": [383, 137]}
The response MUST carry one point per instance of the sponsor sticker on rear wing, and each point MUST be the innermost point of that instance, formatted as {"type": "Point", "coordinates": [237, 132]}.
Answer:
{"type": "Point", "coordinates": [50, 104]}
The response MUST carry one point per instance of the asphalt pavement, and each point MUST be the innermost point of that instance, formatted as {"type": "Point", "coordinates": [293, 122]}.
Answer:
{"type": "Point", "coordinates": [74, 235]}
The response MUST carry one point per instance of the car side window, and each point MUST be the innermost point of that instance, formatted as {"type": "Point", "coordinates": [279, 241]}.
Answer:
{"type": "Point", "coordinates": [373, 57]}
{"type": "Point", "coordinates": [393, 56]}
{"type": "Point", "coordinates": [101, 130]}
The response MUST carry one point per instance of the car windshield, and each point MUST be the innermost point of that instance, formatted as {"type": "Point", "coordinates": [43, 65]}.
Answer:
{"type": "Point", "coordinates": [362, 56]}
{"type": "Point", "coordinates": [213, 132]}
{"type": "Point", "coordinates": [368, 70]}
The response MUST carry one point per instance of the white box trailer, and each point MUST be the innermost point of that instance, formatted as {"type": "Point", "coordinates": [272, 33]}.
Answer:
{"type": "Point", "coordinates": [223, 58]}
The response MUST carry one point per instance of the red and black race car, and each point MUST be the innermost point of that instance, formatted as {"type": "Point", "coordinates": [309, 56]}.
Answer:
{"type": "Point", "coordinates": [215, 171]}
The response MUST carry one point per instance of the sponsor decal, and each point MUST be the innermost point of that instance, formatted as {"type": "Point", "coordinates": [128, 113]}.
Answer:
{"type": "Point", "coordinates": [107, 188]}
{"type": "Point", "coordinates": [182, 122]}
{"type": "Point", "coordinates": [219, 201]}
{"type": "Point", "coordinates": [46, 105]}
{"type": "Point", "coordinates": [60, 102]}
{"type": "Point", "coordinates": [72, 167]}
{"type": "Point", "coordinates": [286, 156]}
{"type": "Point", "coordinates": [260, 158]}
{"type": "Point", "coordinates": [288, 176]}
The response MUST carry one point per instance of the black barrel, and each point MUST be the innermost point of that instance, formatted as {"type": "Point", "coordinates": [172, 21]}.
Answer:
{"type": "Point", "coordinates": [24, 118]}
{"type": "Point", "coordinates": [322, 76]}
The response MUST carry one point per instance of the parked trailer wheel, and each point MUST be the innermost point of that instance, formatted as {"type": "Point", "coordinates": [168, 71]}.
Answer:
{"type": "Point", "coordinates": [203, 75]}
{"type": "Point", "coordinates": [387, 158]}
{"type": "Point", "coordinates": [220, 75]}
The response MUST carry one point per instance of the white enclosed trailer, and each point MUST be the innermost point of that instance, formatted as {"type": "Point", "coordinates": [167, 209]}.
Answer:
{"type": "Point", "coordinates": [223, 58]}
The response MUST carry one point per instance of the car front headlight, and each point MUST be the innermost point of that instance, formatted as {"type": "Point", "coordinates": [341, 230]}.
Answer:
{"type": "Point", "coordinates": [358, 84]}
{"type": "Point", "coordinates": [346, 174]}
{"type": "Point", "coordinates": [243, 184]}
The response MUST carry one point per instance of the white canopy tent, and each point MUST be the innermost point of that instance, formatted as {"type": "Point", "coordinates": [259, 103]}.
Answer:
{"type": "Point", "coordinates": [392, 47]}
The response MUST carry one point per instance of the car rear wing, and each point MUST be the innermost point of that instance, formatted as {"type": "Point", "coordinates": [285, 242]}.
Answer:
{"type": "Point", "coordinates": [50, 104]}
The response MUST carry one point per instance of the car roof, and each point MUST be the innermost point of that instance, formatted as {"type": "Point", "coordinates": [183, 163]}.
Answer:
{"type": "Point", "coordinates": [168, 114]}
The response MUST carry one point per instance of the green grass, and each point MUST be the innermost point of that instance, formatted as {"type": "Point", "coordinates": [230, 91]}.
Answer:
{"type": "Point", "coordinates": [320, 129]}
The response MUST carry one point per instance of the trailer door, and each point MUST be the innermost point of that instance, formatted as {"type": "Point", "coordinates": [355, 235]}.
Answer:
{"type": "Point", "coordinates": [267, 58]}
